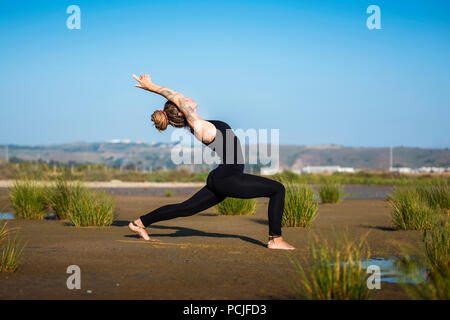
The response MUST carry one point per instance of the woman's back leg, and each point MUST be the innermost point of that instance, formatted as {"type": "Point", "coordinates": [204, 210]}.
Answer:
{"type": "Point", "coordinates": [247, 186]}
{"type": "Point", "coordinates": [201, 200]}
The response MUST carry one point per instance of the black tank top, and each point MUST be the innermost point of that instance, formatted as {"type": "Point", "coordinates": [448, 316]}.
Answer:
{"type": "Point", "coordinates": [227, 146]}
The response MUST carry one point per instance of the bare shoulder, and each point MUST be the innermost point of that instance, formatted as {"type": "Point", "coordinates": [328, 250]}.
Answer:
{"type": "Point", "coordinates": [207, 131]}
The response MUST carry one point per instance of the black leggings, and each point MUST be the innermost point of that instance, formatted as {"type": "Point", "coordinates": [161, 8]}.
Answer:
{"type": "Point", "coordinates": [231, 184]}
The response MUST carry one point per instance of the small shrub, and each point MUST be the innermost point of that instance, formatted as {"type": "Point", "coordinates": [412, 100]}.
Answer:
{"type": "Point", "coordinates": [337, 272]}
{"type": "Point", "coordinates": [11, 250]}
{"type": "Point", "coordinates": [330, 193]}
{"type": "Point", "coordinates": [60, 197]}
{"type": "Point", "coordinates": [28, 200]}
{"type": "Point", "coordinates": [234, 206]}
{"type": "Point", "coordinates": [409, 210]}
{"type": "Point", "coordinates": [91, 209]}
{"type": "Point", "coordinates": [169, 194]}
{"type": "Point", "coordinates": [300, 206]}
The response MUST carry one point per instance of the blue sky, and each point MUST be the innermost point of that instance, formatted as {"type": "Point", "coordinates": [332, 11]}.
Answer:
{"type": "Point", "coordinates": [310, 68]}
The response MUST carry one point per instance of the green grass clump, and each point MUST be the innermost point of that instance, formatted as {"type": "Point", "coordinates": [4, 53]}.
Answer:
{"type": "Point", "coordinates": [417, 207]}
{"type": "Point", "coordinates": [234, 206]}
{"type": "Point", "coordinates": [168, 194]}
{"type": "Point", "coordinates": [10, 249]}
{"type": "Point", "coordinates": [91, 209]}
{"type": "Point", "coordinates": [28, 200]}
{"type": "Point", "coordinates": [337, 272]}
{"type": "Point", "coordinates": [437, 246]}
{"type": "Point", "coordinates": [61, 197]}
{"type": "Point", "coordinates": [409, 210]}
{"type": "Point", "coordinates": [435, 284]}
{"type": "Point", "coordinates": [300, 206]}
{"type": "Point", "coordinates": [436, 194]}
{"type": "Point", "coordinates": [436, 287]}
{"type": "Point", "coordinates": [330, 193]}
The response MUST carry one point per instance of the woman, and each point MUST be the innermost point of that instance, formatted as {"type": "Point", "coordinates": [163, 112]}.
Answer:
{"type": "Point", "coordinates": [227, 180]}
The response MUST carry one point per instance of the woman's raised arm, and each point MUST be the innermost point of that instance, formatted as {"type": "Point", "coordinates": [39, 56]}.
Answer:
{"type": "Point", "coordinates": [146, 83]}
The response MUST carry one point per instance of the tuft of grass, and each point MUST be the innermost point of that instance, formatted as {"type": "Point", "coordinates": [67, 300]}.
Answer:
{"type": "Point", "coordinates": [28, 200]}
{"type": "Point", "coordinates": [61, 197]}
{"type": "Point", "coordinates": [91, 209]}
{"type": "Point", "coordinates": [337, 272]}
{"type": "Point", "coordinates": [435, 284]}
{"type": "Point", "coordinates": [11, 250]}
{"type": "Point", "coordinates": [300, 208]}
{"type": "Point", "coordinates": [3, 232]}
{"type": "Point", "coordinates": [330, 193]}
{"type": "Point", "coordinates": [437, 247]}
{"type": "Point", "coordinates": [234, 206]}
{"type": "Point", "coordinates": [436, 194]}
{"type": "Point", "coordinates": [409, 210]}
{"type": "Point", "coordinates": [169, 194]}
{"type": "Point", "coordinates": [437, 287]}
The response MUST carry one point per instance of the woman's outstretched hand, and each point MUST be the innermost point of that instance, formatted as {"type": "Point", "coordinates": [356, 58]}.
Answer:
{"type": "Point", "coordinates": [144, 82]}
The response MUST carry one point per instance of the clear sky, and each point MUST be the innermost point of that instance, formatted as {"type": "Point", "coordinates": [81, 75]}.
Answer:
{"type": "Point", "coordinates": [310, 68]}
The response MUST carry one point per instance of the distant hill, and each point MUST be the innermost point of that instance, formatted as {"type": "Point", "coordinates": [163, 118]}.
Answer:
{"type": "Point", "coordinates": [157, 156]}
{"type": "Point", "coordinates": [363, 158]}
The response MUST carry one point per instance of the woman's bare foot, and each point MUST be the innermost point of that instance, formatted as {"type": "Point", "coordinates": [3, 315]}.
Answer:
{"type": "Point", "coordinates": [279, 243]}
{"type": "Point", "coordinates": [138, 227]}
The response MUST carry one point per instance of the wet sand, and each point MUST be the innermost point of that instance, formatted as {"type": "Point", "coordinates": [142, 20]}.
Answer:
{"type": "Point", "coordinates": [205, 256]}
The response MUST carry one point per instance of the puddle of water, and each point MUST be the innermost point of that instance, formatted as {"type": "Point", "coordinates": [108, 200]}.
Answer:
{"type": "Point", "coordinates": [6, 215]}
{"type": "Point", "coordinates": [10, 216]}
{"type": "Point", "coordinates": [392, 271]}
{"type": "Point", "coordinates": [50, 216]}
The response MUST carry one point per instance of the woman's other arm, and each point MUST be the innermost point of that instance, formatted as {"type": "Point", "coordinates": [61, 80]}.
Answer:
{"type": "Point", "coordinates": [203, 130]}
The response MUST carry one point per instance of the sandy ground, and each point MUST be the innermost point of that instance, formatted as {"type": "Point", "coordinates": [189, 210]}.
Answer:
{"type": "Point", "coordinates": [205, 256]}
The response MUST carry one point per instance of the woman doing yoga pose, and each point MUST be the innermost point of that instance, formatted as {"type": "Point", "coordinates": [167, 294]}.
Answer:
{"type": "Point", "coordinates": [227, 180]}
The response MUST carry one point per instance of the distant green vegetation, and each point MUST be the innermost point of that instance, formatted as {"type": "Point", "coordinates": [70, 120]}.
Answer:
{"type": "Point", "coordinates": [337, 272]}
{"type": "Point", "coordinates": [300, 206]}
{"type": "Point", "coordinates": [418, 207]}
{"type": "Point", "coordinates": [330, 193]}
{"type": "Point", "coordinates": [29, 200]}
{"type": "Point", "coordinates": [98, 172]}
{"type": "Point", "coordinates": [234, 206]}
{"type": "Point", "coordinates": [361, 178]}
{"type": "Point", "coordinates": [94, 172]}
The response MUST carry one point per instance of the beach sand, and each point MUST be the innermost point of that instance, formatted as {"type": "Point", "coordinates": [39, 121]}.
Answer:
{"type": "Point", "coordinates": [205, 256]}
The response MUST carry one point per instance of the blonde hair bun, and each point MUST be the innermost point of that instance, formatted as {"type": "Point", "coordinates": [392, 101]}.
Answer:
{"type": "Point", "coordinates": [160, 120]}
